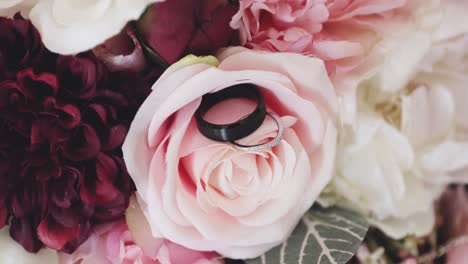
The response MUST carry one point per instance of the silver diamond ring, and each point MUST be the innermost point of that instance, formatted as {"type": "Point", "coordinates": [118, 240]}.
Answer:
{"type": "Point", "coordinates": [270, 144]}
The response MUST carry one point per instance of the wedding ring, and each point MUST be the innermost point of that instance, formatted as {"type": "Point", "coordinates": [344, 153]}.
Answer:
{"type": "Point", "coordinates": [269, 144]}
{"type": "Point", "coordinates": [239, 129]}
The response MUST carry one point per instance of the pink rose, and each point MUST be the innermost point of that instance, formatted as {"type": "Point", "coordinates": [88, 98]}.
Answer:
{"type": "Point", "coordinates": [113, 244]}
{"type": "Point", "coordinates": [207, 195]}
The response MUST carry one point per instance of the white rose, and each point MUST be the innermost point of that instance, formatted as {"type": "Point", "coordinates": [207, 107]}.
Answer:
{"type": "Point", "coordinates": [8, 8]}
{"type": "Point", "coordinates": [11, 252]}
{"type": "Point", "coordinates": [73, 26]}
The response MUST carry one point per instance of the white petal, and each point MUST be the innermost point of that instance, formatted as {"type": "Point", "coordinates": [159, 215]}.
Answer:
{"type": "Point", "coordinates": [401, 64]}
{"type": "Point", "coordinates": [447, 157]}
{"type": "Point", "coordinates": [73, 26]}
{"type": "Point", "coordinates": [428, 115]}
{"type": "Point", "coordinates": [4, 4]}
{"type": "Point", "coordinates": [419, 224]}
{"type": "Point", "coordinates": [373, 167]}
{"type": "Point", "coordinates": [8, 8]}
{"type": "Point", "coordinates": [454, 22]}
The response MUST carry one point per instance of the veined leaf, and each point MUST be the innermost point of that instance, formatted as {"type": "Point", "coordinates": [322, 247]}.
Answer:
{"type": "Point", "coordinates": [324, 236]}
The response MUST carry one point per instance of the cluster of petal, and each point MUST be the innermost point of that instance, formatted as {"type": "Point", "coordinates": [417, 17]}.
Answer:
{"type": "Point", "coordinates": [207, 195]}
{"type": "Point", "coordinates": [62, 122]}
{"type": "Point", "coordinates": [417, 97]}
{"type": "Point", "coordinates": [73, 26]}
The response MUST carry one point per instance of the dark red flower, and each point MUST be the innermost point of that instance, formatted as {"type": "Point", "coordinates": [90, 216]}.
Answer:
{"type": "Point", "coordinates": [61, 129]}
{"type": "Point", "coordinates": [78, 76]}
{"type": "Point", "coordinates": [21, 47]}
{"type": "Point", "coordinates": [179, 27]}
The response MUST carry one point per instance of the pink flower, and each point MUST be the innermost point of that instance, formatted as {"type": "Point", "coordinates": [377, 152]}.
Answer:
{"type": "Point", "coordinates": [113, 244]}
{"type": "Point", "coordinates": [207, 195]}
{"type": "Point", "coordinates": [344, 33]}
{"type": "Point", "coordinates": [458, 255]}
{"type": "Point", "coordinates": [308, 26]}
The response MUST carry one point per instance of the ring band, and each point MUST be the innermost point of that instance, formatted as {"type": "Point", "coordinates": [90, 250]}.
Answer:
{"type": "Point", "coordinates": [239, 129]}
{"type": "Point", "coordinates": [270, 144]}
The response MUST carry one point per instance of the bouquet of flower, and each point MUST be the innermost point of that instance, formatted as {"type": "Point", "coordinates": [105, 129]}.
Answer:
{"type": "Point", "coordinates": [241, 131]}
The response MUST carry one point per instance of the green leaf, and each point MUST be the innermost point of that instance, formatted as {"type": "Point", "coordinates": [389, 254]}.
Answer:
{"type": "Point", "coordinates": [324, 236]}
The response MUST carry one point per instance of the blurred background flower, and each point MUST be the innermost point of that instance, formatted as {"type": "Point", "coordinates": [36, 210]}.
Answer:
{"type": "Point", "coordinates": [175, 28]}
{"type": "Point", "coordinates": [454, 210]}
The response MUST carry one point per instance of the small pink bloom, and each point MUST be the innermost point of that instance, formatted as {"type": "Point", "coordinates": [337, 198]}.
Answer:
{"type": "Point", "coordinates": [113, 244]}
{"type": "Point", "coordinates": [207, 195]}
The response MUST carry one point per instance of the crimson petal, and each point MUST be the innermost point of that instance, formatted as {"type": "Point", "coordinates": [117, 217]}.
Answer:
{"type": "Point", "coordinates": [23, 231]}
{"type": "Point", "coordinates": [171, 21]}
{"type": "Point", "coordinates": [102, 190]}
{"type": "Point", "coordinates": [78, 76]}
{"type": "Point", "coordinates": [69, 116]}
{"type": "Point", "coordinates": [83, 144]}
{"type": "Point", "coordinates": [54, 235]}
{"type": "Point", "coordinates": [37, 86]}
{"type": "Point", "coordinates": [115, 137]}
{"type": "Point", "coordinates": [10, 95]}
{"type": "Point", "coordinates": [3, 215]}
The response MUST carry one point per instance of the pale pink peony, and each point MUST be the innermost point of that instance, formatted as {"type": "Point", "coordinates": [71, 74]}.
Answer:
{"type": "Point", "coordinates": [207, 195]}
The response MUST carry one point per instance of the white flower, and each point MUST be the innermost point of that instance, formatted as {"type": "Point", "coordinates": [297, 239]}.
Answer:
{"type": "Point", "coordinates": [410, 138]}
{"type": "Point", "coordinates": [11, 252]}
{"type": "Point", "coordinates": [375, 174]}
{"type": "Point", "coordinates": [8, 8]}
{"type": "Point", "coordinates": [433, 100]}
{"type": "Point", "coordinates": [73, 26]}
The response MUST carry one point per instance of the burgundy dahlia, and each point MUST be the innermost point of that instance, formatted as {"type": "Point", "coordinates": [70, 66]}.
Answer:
{"type": "Point", "coordinates": [63, 120]}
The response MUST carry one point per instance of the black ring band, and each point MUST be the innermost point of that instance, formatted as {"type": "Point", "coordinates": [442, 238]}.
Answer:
{"type": "Point", "coordinates": [236, 130]}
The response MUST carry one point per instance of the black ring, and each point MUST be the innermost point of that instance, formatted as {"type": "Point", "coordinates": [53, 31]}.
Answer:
{"type": "Point", "coordinates": [238, 129]}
